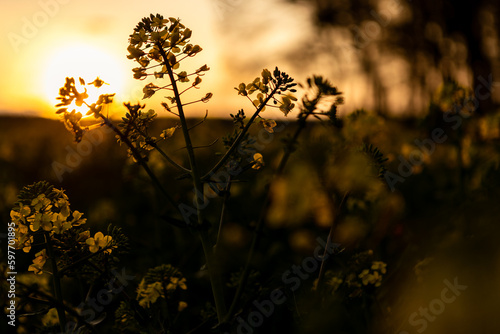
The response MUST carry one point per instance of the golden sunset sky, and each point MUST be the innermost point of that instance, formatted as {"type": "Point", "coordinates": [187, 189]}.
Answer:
{"type": "Point", "coordinates": [43, 41]}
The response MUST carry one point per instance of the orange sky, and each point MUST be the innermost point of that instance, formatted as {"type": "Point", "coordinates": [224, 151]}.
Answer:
{"type": "Point", "coordinates": [44, 41]}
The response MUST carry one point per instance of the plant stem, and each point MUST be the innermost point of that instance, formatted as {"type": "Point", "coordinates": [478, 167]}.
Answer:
{"type": "Point", "coordinates": [172, 162]}
{"type": "Point", "coordinates": [140, 160]}
{"type": "Point", "coordinates": [222, 213]}
{"type": "Point", "coordinates": [211, 261]}
{"type": "Point", "coordinates": [56, 302]}
{"type": "Point", "coordinates": [81, 260]}
{"type": "Point", "coordinates": [240, 137]}
{"type": "Point", "coordinates": [57, 282]}
{"type": "Point", "coordinates": [329, 240]}
{"type": "Point", "coordinates": [163, 154]}
{"type": "Point", "coordinates": [263, 214]}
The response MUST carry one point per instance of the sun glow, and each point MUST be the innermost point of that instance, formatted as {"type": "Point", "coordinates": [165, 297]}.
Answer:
{"type": "Point", "coordinates": [86, 62]}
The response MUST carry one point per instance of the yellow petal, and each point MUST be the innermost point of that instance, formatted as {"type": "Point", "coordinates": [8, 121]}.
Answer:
{"type": "Point", "coordinates": [182, 306]}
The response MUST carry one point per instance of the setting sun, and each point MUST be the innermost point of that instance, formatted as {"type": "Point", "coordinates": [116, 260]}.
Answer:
{"type": "Point", "coordinates": [87, 62]}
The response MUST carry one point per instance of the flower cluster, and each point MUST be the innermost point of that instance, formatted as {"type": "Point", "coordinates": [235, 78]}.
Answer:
{"type": "Point", "coordinates": [70, 96]}
{"type": "Point", "coordinates": [134, 126]}
{"type": "Point", "coordinates": [267, 85]}
{"type": "Point", "coordinates": [166, 42]}
{"type": "Point", "coordinates": [99, 241]}
{"type": "Point", "coordinates": [155, 35]}
{"type": "Point", "coordinates": [355, 279]}
{"type": "Point", "coordinates": [161, 282]}
{"type": "Point", "coordinates": [44, 212]}
{"type": "Point", "coordinates": [373, 276]}
{"type": "Point", "coordinates": [453, 98]}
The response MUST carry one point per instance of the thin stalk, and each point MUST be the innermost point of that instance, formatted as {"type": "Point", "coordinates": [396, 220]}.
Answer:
{"type": "Point", "coordinates": [260, 222]}
{"type": "Point", "coordinates": [163, 154]}
{"type": "Point", "coordinates": [51, 300]}
{"type": "Point", "coordinates": [140, 160]}
{"type": "Point", "coordinates": [212, 265]}
{"type": "Point", "coordinates": [460, 162]}
{"type": "Point", "coordinates": [172, 162]}
{"type": "Point", "coordinates": [165, 302]}
{"type": "Point", "coordinates": [200, 122]}
{"type": "Point", "coordinates": [57, 283]}
{"type": "Point", "coordinates": [330, 239]}
{"type": "Point", "coordinates": [222, 213]}
{"type": "Point", "coordinates": [240, 137]}
{"type": "Point", "coordinates": [81, 260]}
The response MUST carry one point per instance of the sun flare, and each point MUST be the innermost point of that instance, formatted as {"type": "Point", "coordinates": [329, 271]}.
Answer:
{"type": "Point", "coordinates": [87, 62]}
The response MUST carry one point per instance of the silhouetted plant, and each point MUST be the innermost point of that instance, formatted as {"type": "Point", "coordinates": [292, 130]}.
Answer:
{"type": "Point", "coordinates": [159, 46]}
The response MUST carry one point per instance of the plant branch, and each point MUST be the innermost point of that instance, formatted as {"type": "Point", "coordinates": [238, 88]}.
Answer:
{"type": "Point", "coordinates": [227, 193]}
{"type": "Point", "coordinates": [83, 259]}
{"type": "Point", "coordinates": [50, 299]}
{"type": "Point", "coordinates": [140, 160]}
{"type": "Point", "coordinates": [200, 122]}
{"type": "Point", "coordinates": [212, 265]}
{"type": "Point", "coordinates": [172, 162]}
{"type": "Point", "coordinates": [240, 137]}
{"type": "Point", "coordinates": [153, 143]}
{"type": "Point", "coordinates": [263, 214]}
{"type": "Point", "coordinates": [330, 239]}
{"type": "Point", "coordinates": [57, 282]}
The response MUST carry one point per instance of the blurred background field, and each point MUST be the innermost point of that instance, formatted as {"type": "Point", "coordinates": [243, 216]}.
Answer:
{"type": "Point", "coordinates": [440, 224]}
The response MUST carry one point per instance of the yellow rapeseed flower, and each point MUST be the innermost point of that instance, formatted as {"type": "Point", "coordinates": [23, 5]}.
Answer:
{"type": "Point", "coordinates": [258, 161]}
{"type": "Point", "coordinates": [99, 241]}
{"type": "Point", "coordinates": [175, 283]}
{"type": "Point", "coordinates": [38, 263]}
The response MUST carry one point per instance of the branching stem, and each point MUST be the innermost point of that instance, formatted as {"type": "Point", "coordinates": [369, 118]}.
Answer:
{"type": "Point", "coordinates": [212, 265]}
{"type": "Point", "coordinates": [240, 137]}
{"type": "Point", "coordinates": [57, 283]}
